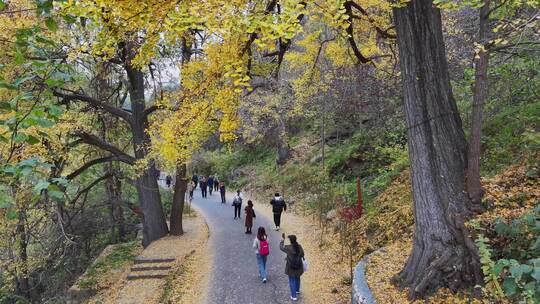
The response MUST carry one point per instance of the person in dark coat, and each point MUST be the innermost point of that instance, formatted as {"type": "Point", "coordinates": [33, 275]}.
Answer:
{"type": "Point", "coordinates": [202, 183]}
{"type": "Point", "coordinates": [250, 215]}
{"type": "Point", "coordinates": [195, 179]}
{"type": "Point", "coordinates": [210, 183]}
{"type": "Point", "coordinates": [278, 206]}
{"type": "Point", "coordinates": [294, 267]}
{"type": "Point", "coordinates": [168, 181]}
{"type": "Point", "coordinates": [222, 192]}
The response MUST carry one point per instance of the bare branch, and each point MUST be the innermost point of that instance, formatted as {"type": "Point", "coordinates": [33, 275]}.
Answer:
{"type": "Point", "coordinates": [95, 104]}
{"type": "Point", "coordinates": [97, 142]}
{"type": "Point", "coordinates": [91, 163]}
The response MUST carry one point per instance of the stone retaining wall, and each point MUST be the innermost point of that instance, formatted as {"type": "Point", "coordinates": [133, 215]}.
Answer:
{"type": "Point", "coordinates": [360, 289]}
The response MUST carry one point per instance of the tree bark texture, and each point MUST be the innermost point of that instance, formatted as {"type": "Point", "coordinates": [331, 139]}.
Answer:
{"type": "Point", "coordinates": [22, 280]}
{"type": "Point", "coordinates": [283, 149]}
{"type": "Point", "coordinates": [179, 198]}
{"type": "Point", "coordinates": [443, 253]}
{"type": "Point", "coordinates": [153, 219]}
{"type": "Point", "coordinates": [474, 186]}
{"type": "Point", "coordinates": [113, 187]}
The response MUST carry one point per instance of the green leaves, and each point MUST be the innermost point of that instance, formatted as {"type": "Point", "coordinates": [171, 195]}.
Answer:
{"type": "Point", "coordinates": [519, 274]}
{"type": "Point", "coordinates": [51, 24]}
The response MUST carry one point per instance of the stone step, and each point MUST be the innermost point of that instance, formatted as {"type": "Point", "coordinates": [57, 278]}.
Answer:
{"type": "Point", "coordinates": [153, 260]}
{"type": "Point", "coordinates": [132, 277]}
{"type": "Point", "coordinates": [150, 268]}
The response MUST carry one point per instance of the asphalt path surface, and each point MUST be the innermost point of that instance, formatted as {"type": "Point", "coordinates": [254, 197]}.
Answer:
{"type": "Point", "coordinates": [235, 277]}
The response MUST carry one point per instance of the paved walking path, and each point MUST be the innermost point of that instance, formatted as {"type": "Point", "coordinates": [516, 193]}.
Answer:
{"type": "Point", "coordinates": [234, 278]}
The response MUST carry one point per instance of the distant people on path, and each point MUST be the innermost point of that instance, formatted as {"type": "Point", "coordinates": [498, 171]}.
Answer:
{"type": "Point", "coordinates": [278, 206]}
{"type": "Point", "coordinates": [262, 250]}
{"type": "Point", "coordinates": [250, 215]}
{"type": "Point", "coordinates": [237, 204]}
{"type": "Point", "coordinates": [294, 266]}
{"type": "Point", "coordinates": [210, 183]}
{"type": "Point", "coordinates": [222, 192]}
{"type": "Point", "coordinates": [202, 183]}
{"type": "Point", "coordinates": [190, 188]}
{"type": "Point", "coordinates": [168, 181]}
{"type": "Point", "coordinates": [195, 180]}
{"type": "Point", "coordinates": [216, 183]}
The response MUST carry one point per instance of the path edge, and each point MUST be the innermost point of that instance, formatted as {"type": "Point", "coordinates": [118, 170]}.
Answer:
{"type": "Point", "coordinates": [361, 294]}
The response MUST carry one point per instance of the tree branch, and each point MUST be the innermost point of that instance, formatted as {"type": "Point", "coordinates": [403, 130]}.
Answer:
{"type": "Point", "coordinates": [91, 163]}
{"type": "Point", "coordinates": [350, 33]}
{"type": "Point", "coordinates": [95, 104]}
{"type": "Point", "coordinates": [383, 33]}
{"type": "Point", "coordinates": [89, 187]}
{"type": "Point", "coordinates": [150, 110]}
{"type": "Point", "coordinates": [97, 142]}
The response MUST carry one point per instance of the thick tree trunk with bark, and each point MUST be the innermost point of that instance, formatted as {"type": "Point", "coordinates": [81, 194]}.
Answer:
{"type": "Point", "coordinates": [153, 220]}
{"type": "Point", "coordinates": [443, 253]}
{"type": "Point", "coordinates": [179, 196]}
{"type": "Point", "coordinates": [474, 186]}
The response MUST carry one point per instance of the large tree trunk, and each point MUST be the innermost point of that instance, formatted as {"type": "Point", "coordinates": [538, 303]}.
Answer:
{"type": "Point", "coordinates": [153, 220]}
{"type": "Point", "coordinates": [474, 187]}
{"type": "Point", "coordinates": [179, 196]}
{"type": "Point", "coordinates": [22, 280]}
{"type": "Point", "coordinates": [443, 253]}
{"type": "Point", "coordinates": [113, 187]}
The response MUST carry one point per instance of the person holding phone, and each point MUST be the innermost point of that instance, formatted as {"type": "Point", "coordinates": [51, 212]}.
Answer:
{"type": "Point", "coordinates": [294, 266]}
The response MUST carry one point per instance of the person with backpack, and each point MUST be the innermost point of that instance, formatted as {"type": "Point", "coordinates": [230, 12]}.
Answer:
{"type": "Point", "coordinates": [278, 206]}
{"type": "Point", "coordinates": [262, 250]}
{"type": "Point", "coordinates": [210, 183]}
{"type": "Point", "coordinates": [222, 192]}
{"type": "Point", "coordinates": [294, 267]}
{"type": "Point", "coordinates": [250, 215]}
{"type": "Point", "coordinates": [237, 203]}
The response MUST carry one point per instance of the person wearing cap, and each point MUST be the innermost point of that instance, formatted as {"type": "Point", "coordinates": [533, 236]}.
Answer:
{"type": "Point", "coordinates": [294, 267]}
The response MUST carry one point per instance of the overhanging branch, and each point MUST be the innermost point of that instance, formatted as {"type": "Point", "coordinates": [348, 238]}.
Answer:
{"type": "Point", "coordinates": [97, 142]}
{"type": "Point", "coordinates": [91, 163]}
{"type": "Point", "coordinates": [95, 104]}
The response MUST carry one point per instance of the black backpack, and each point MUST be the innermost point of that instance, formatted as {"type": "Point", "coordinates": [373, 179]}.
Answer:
{"type": "Point", "coordinates": [296, 263]}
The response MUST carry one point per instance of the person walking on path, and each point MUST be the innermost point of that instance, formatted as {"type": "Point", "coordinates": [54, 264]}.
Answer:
{"type": "Point", "coordinates": [210, 183]}
{"type": "Point", "coordinates": [237, 203]}
{"type": "Point", "coordinates": [222, 192]}
{"type": "Point", "coordinates": [195, 179]}
{"type": "Point", "coordinates": [278, 206]}
{"type": "Point", "coordinates": [216, 183]}
{"type": "Point", "coordinates": [202, 183]}
{"type": "Point", "coordinates": [168, 181]}
{"type": "Point", "coordinates": [190, 188]}
{"type": "Point", "coordinates": [294, 267]}
{"type": "Point", "coordinates": [262, 249]}
{"type": "Point", "coordinates": [250, 215]}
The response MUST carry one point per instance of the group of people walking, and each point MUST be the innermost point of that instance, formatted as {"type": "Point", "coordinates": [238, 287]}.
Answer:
{"type": "Point", "coordinates": [295, 263]}
{"type": "Point", "coordinates": [208, 185]}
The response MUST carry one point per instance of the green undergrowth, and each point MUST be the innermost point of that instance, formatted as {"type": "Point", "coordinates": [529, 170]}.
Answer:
{"type": "Point", "coordinates": [117, 258]}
